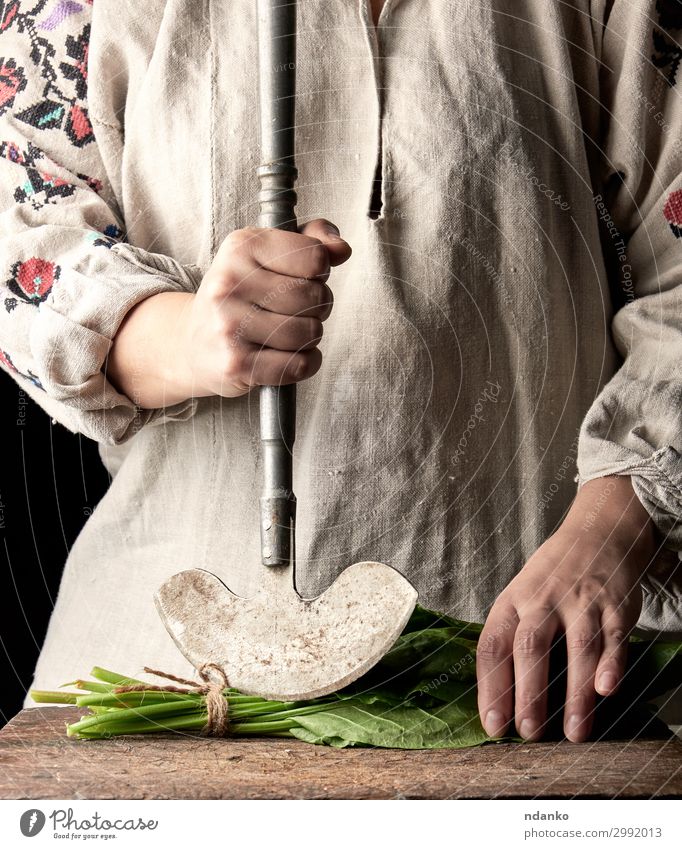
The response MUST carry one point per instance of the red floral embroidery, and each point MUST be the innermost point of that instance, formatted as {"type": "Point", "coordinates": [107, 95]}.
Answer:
{"type": "Point", "coordinates": [31, 281]}
{"type": "Point", "coordinates": [12, 81]}
{"type": "Point", "coordinates": [78, 126]}
{"type": "Point", "coordinates": [8, 15]}
{"type": "Point", "coordinates": [673, 212]}
{"type": "Point", "coordinates": [6, 360]}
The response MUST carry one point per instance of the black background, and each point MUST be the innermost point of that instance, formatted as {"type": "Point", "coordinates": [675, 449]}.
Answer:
{"type": "Point", "coordinates": [50, 481]}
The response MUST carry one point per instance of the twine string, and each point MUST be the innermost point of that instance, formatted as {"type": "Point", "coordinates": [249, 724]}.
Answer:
{"type": "Point", "coordinates": [217, 709]}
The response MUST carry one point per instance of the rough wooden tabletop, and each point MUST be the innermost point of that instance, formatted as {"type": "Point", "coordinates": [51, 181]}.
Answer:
{"type": "Point", "coordinates": [38, 761]}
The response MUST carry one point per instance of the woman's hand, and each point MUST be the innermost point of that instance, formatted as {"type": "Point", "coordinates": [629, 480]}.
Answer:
{"type": "Point", "coordinates": [255, 320]}
{"type": "Point", "coordinates": [583, 582]}
{"type": "Point", "coordinates": [257, 317]}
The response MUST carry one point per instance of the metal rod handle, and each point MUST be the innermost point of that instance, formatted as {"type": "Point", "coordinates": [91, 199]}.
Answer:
{"type": "Point", "coordinates": [277, 199]}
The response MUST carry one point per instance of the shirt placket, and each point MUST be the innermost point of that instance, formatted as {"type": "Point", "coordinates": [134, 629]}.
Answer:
{"type": "Point", "coordinates": [375, 40]}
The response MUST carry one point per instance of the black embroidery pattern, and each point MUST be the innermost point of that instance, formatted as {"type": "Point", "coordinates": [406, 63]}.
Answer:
{"type": "Point", "coordinates": [6, 361]}
{"type": "Point", "coordinates": [40, 187]}
{"type": "Point", "coordinates": [667, 49]}
{"type": "Point", "coordinates": [110, 236]}
{"type": "Point", "coordinates": [56, 108]}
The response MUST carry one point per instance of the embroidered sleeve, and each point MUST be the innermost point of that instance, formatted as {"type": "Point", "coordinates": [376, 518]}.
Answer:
{"type": "Point", "coordinates": [634, 426]}
{"type": "Point", "coordinates": [67, 275]}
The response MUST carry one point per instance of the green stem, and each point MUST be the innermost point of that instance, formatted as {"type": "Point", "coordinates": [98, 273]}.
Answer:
{"type": "Point", "coordinates": [53, 697]}
{"type": "Point", "coordinates": [114, 677]}
{"type": "Point", "coordinates": [111, 729]}
{"type": "Point", "coordinates": [90, 686]}
{"type": "Point", "coordinates": [152, 711]}
{"type": "Point", "coordinates": [147, 697]}
{"type": "Point", "coordinates": [264, 708]}
{"type": "Point", "coordinates": [284, 714]}
{"type": "Point", "coordinates": [265, 728]}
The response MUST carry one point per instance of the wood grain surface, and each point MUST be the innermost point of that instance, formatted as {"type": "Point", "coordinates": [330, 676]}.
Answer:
{"type": "Point", "coordinates": [38, 761]}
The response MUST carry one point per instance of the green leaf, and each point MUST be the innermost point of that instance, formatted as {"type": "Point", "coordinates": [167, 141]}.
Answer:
{"type": "Point", "coordinates": [421, 695]}
{"type": "Point", "coordinates": [401, 727]}
{"type": "Point", "coordinates": [444, 690]}
{"type": "Point", "coordinates": [653, 668]}
{"type": "Point", "coordinates": [423, 619]}
{"type": "Point", "coordinates": [438, 651]}
{"type": "Point", "coordinates": [429, 661]}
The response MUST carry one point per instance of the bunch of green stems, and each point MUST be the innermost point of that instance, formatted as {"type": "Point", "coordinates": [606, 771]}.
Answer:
{"type": "Point", "coordinates": [149, 711]}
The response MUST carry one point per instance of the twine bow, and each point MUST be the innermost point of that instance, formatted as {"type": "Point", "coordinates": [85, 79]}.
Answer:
{"type": "Point", "coordinates": [217, 708]}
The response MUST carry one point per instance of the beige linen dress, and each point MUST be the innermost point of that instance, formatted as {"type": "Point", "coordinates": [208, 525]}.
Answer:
{"type": "Point", "coordinates": [513, 309]}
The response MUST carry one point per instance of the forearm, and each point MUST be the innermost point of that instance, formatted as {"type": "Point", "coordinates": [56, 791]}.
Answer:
{"type": "Point", "coordinates": [610, 507]}
{"type": "Point", "coordinates": [147, 361]}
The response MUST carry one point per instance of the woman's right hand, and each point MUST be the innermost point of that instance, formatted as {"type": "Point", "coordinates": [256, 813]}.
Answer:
{"type": "Point", "coordinates": [257, 316]}
{"type": "Point", "coordinates": [255, 320]}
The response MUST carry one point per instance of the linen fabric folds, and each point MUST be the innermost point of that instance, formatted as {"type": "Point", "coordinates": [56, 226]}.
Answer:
{"type": "Point", "coordinates": [511, 315]}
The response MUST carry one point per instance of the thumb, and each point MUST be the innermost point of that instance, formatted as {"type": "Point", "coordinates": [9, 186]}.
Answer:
{"type": "Point", "coordinates": [328, 233]}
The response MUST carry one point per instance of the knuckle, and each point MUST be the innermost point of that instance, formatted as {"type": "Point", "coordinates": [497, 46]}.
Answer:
{"type": "Point", "coordinates": [326, 300]}
{"type": "Point", "coordinates": [314, 329]}
{"type": "Point", "coordinates": [236, 240]}
{"type": "Point", "coordinates": [581, 642]}
{"type": "Point", "coordinates": [591, 588]}
{"type": "Point", "coordinates": [316, 298]}
{"type": "Point", "coordinates": [491, 647]}
{"type": "Point", "coordinates": [236, 363]}
{"type": "Point", "coordinates": [300, 366]}
{"type": "Point", "coordinates": [314, 294]}
{"type": "Point", "coordinates": [223, 283]}
{"type": "Point", "coordinates": [319, 259]}
{"type": "Point", "coordinates": [529, 640]}
{"type": "Point", "coordinates": [617, 635]}
{"type": "Point", "coordinates": [231, 326]}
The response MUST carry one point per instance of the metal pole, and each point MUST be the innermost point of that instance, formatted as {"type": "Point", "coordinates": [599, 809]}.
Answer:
{"type": "Point", "coordinates": [277, 199]}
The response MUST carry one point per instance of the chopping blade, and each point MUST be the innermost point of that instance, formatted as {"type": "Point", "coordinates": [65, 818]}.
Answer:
{"type": "Point", "coordinates": [276, 644]}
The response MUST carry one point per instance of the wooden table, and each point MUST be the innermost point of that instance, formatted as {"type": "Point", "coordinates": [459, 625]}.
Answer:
{"type": "Point", "coordinates": [38, 761]}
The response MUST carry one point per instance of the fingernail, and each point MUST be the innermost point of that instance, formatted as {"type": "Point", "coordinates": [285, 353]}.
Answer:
{"type": "Point", "coordinates": [573, 724]}
{"type": "Point", "coordinates": [494, 723]}
{"type": "Point", "coordinates": [332, 230]}
{"type": "Point", "coordinates": [607, 681]}
{"type": "Point", "coordinates": [528, 728]}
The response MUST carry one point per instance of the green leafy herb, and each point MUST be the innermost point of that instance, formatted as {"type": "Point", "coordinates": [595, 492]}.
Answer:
{"type": "Point", "coordinates": [421, 695]}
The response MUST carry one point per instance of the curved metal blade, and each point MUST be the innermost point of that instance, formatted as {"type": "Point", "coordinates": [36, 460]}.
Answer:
{"type": "Point", "coordinates": [280, 646]}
